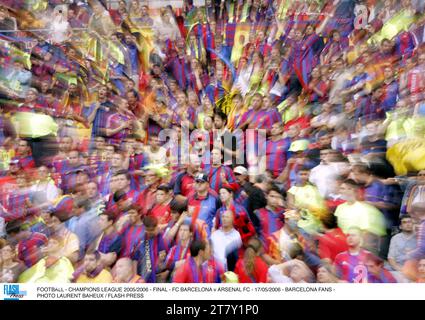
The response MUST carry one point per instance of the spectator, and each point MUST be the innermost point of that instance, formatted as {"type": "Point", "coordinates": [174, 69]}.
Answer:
{"type": "Point", "coordinates": [92, 270]}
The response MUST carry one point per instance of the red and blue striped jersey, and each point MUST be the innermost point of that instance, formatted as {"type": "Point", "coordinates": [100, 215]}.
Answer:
{"type": "Point", "coordinates": [130, 239]}
{"type": "Point", "coordinates": [229, 34]}
{"type": "Point", "coordinates": [212, 270]}
{"type": "Point", "coordinates": [276, 155]}
{"type": "Point", "coordinates": [184, 184]}
{"type": "Point", "coordinates": [177, 253]}
{"type": "Point", "coordinates": [29, 249]}
{"type": "Point", "coordinates": [189, 272]}
{"type": "Point", "coordinates": [270, 221]}
{"type": "Point", "coordinates": [351, 268]}
{"type": "Point", "coordinates": [205, 208]}
{"type": "Point", "coordinates": [216, 181]}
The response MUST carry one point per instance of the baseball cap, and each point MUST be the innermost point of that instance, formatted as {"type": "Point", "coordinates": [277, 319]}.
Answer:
{"type": "Point", "coordinates": [299, 145]}
{"type": "Point", "coordinates": [240, 170]}
{"type": "Point", "coordinates": [14, 161]}
{"type": "Point", "coordinates": [201, 177]}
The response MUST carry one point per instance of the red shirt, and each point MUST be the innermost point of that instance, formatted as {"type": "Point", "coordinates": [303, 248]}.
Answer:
{"type": "Point", "coordinates": [351, 268]}
{"type": "Point", "coordinates": [189, 272]}
{"type": "Point", "coordinates": [303, 121]}
{"type": "Point", "coordinates": [332, 243]}
{"type": "Point", "coordinates": [162, 212]}
{"type": "Point", "coordinates": [147, 200]}
{"type": "Point", "coordinates": [259, 275]}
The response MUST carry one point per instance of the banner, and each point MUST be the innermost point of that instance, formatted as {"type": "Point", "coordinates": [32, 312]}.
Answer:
{"type": "Point", "coordinates": [177, 292]}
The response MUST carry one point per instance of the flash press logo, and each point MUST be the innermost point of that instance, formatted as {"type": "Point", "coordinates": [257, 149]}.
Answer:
{"type": "Point", "coordinates": [12, 292]}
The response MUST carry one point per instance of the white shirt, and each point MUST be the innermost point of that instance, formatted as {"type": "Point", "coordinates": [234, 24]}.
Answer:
{"type": "Point", "coordinates": [48, 189]}
{"type": "Point", "coordinates": [323, 176]}
{"type": "Point", "coordinates": [276, 275]}
{"type": "Point", "coordinates": [2, 227]}
{"type": "Point", "coordinates": [224, 243]}
{"type": "Point", "coordinates": [159, 157]}
{"type": "Point", "coordinates": [59, 29]}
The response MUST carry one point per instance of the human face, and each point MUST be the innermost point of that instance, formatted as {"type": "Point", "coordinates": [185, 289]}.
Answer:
{"type": "Point", "coordinates": [103, 91]}
{"type": "Point", "coordinates": [256, 102]}
{"type": "Point", "coordinates": [240, 179]}
{"type": "Point", "coordinates": [298, 35]}
{"type": "Point", "coordinates": [151, 232]}
{"type": "Point", "coordinates": [309, 30]}
{"type": "Point", "coordinates": [216, 157]}
{"type": "Point", "coordinates": [7, 253]}
{"type": "Point", "coordinates": [323, 275]}
{"type": "Point", "coordinates": [238, 102]}
{"type": "Point", "coordinates": [129, 85]}
{"type": "Point", "coordinates": [90, 262]}
{"type": "Point", "coordinates": [53, 246]}
{"type": "Point", "coordinates": [208, 123]}
{"type": "Point", "coordinates": [201, 186]}
{"type": "Point", "coordinates": [373, 268]}
{"type": "Point", "coordinates": [154, 142]}
{"type": "Point", "coordinates": [91, 190]}
{"type": "Point", "coordinates": [73, 158]}
{"type": "Point", "coordinates": [421, 268]}
{"type": "Point", "coordinates": [276, 129]}
{"type": "Point", "coordinates": [109, 151]}
{"type": "Point", "coordinates": [387, 47]}
{"type": "Point", "coordinates": [103, 222]}
{"type": "Point", "coordinates": [336, 36]}
{"type": "Point", "coordinates": [184, 232]}
{"type": "Point", "coordinates": [123, 270]}
{"type": "Point", "coordinates": [43, 173]}
{"type": "Point", "coordinates": [324, 155]}
{"type": "Point", "coordinates": [161, 196]}
{"type": "Point", "coordinates": [274, 199]}
{"type": "Point", "coordinates": [303, 176]}
{"type": "Point", "coordinates": [150, 177]}
{"type": "Point", "coordinates": [227, 219]}
{"type": "Point", "coordinates": [293, 131]}
{"type": "Point", "coordinates": [116, 160]}
{"type": "Point", "coordinates": [388, 73]}
{"type": "Point", "coordinates": [315, 73]}
{"type": "Point", "coordinates": [406, 225]}
{"type": "Point", "coordinates": [296, 274]}
{"type": "Point", "coordinates": [218, 123]}
{"type": "Point", "coordinates": [98, 9]}
{"type": "Point", "coordinates": [99, 143]}
{"type": "Point", "coordinates": [354, 238]}
{"type": "Point", "coordinates": [225, 195]}
{"type": "Point", "coordinates": [23, 147]}
{"type": "Point", "coordinates": [347, 192]}
{"type": "Point", "coordinates": [181, 99]}
{"type": "Point", "coordinates": [267, 102]}
{"type": "Point", "coordinates": [421, 176]}
{"type": "Point", "coordinates": [122, 182]}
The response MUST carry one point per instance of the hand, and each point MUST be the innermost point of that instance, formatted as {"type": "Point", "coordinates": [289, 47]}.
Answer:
{"type": "Point", "coordinates": [162, 256]}
{"type": "Point", "coordinates": [127, 125]}
{"type": "Point", "coordinates": [291, 161]}
{"type": "Point", "coordinates": [223, 177]}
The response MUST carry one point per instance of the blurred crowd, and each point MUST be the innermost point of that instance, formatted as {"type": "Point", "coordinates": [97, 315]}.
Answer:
{"type": "Point", "coordinates": [210, 141]}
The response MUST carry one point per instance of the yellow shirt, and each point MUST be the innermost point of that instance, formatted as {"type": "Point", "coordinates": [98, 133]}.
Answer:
{"type": "Point", "coordinates": [103, 277]}
{"type": "Point", "coordinates": [70, 243]}
{"type": "Point", "coordinates": [362, 216]}
{"type": "Point", "coordinates": [60, 272]}
{"type": "Point", "coordinates": [307, 197]}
